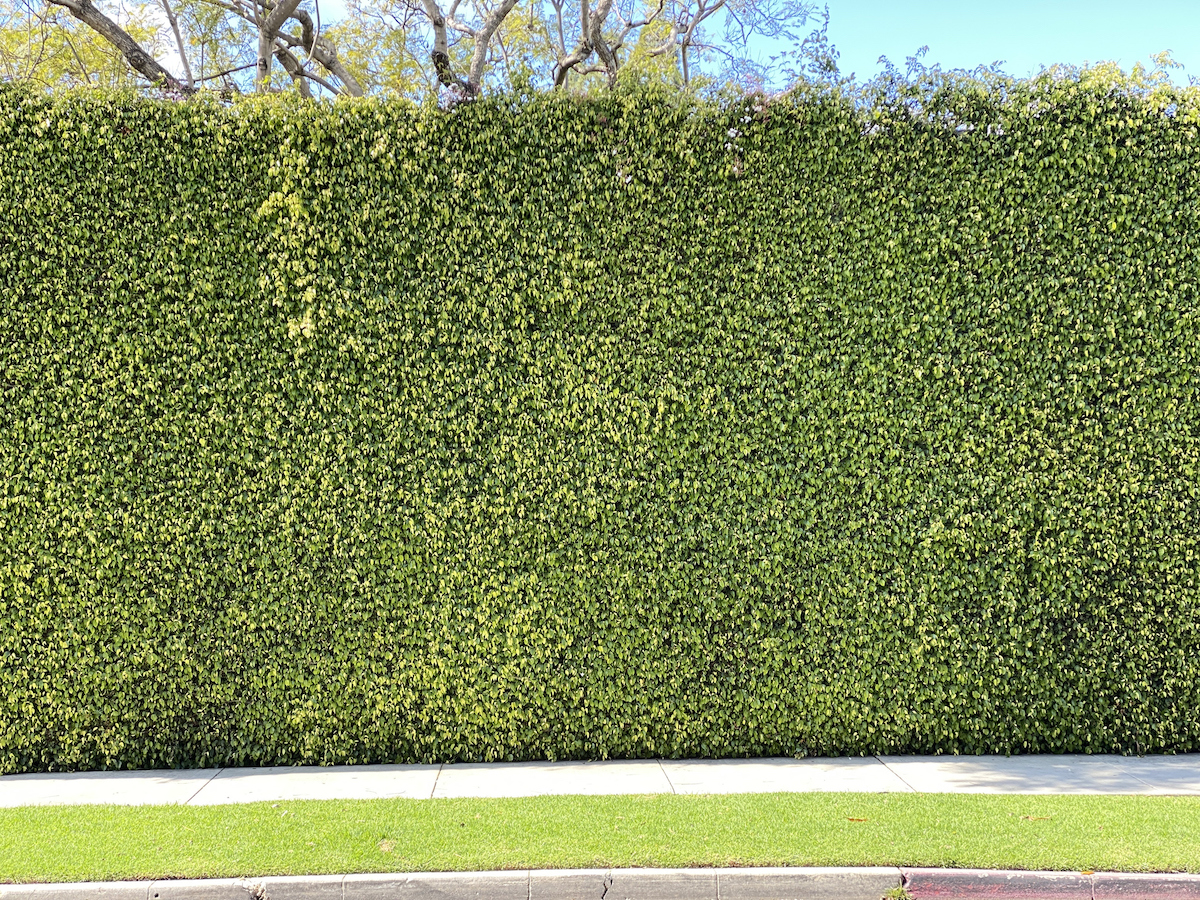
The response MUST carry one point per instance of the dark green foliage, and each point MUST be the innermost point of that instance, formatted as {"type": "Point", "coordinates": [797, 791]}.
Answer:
{"type": "Point", "coordinates": [561, 429]}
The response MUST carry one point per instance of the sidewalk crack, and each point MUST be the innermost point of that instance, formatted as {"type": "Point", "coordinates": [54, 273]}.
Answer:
{"type": "Point", "coordinates": [663, 769]}
{"type": "Point", "coordinates": [436, 777]}
{"type": "Point", "coordinates": [897, 774]}
{"type": "Point", "coordinates": [188, 801]}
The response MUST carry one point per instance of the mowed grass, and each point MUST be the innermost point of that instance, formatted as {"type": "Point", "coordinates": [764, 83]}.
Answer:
{"type": "Point", "coordinates": [312, 837]}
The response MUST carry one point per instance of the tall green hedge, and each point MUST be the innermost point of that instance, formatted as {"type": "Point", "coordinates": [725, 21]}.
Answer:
{"type": "Point", "coordinates": [548, 428]}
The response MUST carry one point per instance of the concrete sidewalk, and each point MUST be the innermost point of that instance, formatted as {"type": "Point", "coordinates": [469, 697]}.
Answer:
{"type": "Point", "coordinates": [904, 774]}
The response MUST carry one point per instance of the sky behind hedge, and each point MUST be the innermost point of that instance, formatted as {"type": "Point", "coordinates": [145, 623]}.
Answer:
{"type": "Point", "coordinates": [1026, 34]}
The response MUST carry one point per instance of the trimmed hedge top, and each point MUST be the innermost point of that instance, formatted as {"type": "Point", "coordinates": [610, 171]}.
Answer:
{"type": "Point", "coordinates": [548, 428]}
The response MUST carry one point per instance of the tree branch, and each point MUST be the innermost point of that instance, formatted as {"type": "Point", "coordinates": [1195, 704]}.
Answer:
{"type": "Point", "coordinates": [461, 27]}
{"type": "Point", "coordinates": [139, 59]}
{"type": "Point", "coordinates": [325, 53]}
{"type": "Point", "coordinates": [268, 28]}
{"type": "Point", "coordinates": [562, 40]}
{"type": "Point", "coordinates": [490, 24]}
{"type": "Point", "coordinates": [292, 66]}
{"type": "Point", "coordinates": [317, 46]}
{"type": "Point", "coordinates": [82, 68]}
{"type": "Point", "coordinates": [630, 25]}
{"type": "Point", "coordinates": [567, 63]}
{"type": "Point", "coordinates": [596, 39]}
{"type": "Point", "coordinates": [205, 78]}
{"type": "Point", "coordinates": [590, 41]}
{"type": "Point", "coordinates": [441, 49]}
{"type": "Point", "coordinates": [187, 69]}
{"type": "Point", "coordinates": [280, 13]}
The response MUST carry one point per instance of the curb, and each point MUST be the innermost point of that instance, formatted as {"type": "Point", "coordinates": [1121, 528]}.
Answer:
{"type": "Point", "coordinates": [963, 884]}
{"type": "Point", "coordinates": [643, 884]}
{"type": "Point", "coordinates": [556, 884]}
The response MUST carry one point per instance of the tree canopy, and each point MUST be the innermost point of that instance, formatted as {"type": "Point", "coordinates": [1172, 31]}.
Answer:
{"type": "Point", "coordinates": [449, 49]}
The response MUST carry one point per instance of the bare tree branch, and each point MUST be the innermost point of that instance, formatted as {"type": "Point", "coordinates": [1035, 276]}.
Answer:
{"type": "Point", "coordinates": [187, 69]}
{"type": "Point", "coordinates": [75, 53]}
{"type": "Point", "coordinates": [703, 11]}
{"type": "Point", "coordinates": [441, 49]}
{"type": "Point", "coordinates": [280, 13]}
{"type": "Point", "coordinates": [284, 55]}
{"type": "Point", "coordinates": [139, 59]}
{"type": "Point", "coordinates": [224, 73]}
{"type": "Point", "coordinates": [641, 23]}
{"type": "Point", "coordinates": [322, 50]}
{"type": "Point", "coordinates": [562, 41]}
{"type": "Point", "coordinates": [292, 66]}
{"type": "Point", "coordinates": [490, 24]}
{"type": "Point", "coordinates": [567, 63]}
{"type": "Point", "coordinates": [667, 46]}
{"type": "Point", "coordinates": [591, 41]}
{"type": "Point", "coordinates": [461, 27]}
{"type": "Point", "coordinates": [504, 54]}
{"type": "Point", "coordinates": [468, 41]}
{"type": "Point", "coordinates": [318, 47]}
{"type": "Point", "coordinates": [268, 27]}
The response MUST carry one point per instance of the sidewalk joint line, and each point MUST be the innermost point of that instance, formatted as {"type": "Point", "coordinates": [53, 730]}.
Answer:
{"type": "Point", "coordinates": [670, 784]}
{"type": "Point", "coordinates": [897, 774]}
{"type": "Point", "coordinates": [1147, 782]}
{"type": "Point", "coordinates": [433, 790]}
{"type": "Point", "coordinates": [189, 800]}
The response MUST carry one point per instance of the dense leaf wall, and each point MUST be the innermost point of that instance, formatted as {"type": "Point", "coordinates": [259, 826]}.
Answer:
{"type": "Point", "coordinates": [563, 429]}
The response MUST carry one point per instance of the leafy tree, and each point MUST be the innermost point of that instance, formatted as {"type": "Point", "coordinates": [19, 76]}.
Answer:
{"type": "Point", "coordinates": [414, 48]}
{"type": "Point", "coordinates": [47, 46]}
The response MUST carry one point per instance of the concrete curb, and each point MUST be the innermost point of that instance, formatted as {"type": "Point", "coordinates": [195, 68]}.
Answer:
{"type": "Point", "coordinates": [571, 884]}
{"type": "Point", "coordinates": [642, 884]}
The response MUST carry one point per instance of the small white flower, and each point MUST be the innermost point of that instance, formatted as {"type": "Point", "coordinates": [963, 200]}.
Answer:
{"type": "Point", "coordinates": [733, 132]}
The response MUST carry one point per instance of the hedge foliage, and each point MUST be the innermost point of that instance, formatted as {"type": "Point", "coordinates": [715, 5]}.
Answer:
{"type": "Point", "coordinates": [627, 427]}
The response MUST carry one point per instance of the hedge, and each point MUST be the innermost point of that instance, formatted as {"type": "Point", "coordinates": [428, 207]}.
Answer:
{"type": "Point", "coordinates": [639, 426]}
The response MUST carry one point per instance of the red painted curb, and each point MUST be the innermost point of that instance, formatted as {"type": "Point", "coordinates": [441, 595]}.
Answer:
{"type": "Point", "coordinates": [963, 884]}
{"type": "Point", "coordinates": [968, 883]}
{"type": "Point", "coordinates": [1113, 885]}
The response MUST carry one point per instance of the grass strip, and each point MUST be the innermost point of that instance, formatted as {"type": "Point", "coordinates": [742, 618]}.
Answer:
{"type": "Point", "coordinates": [79, 843]}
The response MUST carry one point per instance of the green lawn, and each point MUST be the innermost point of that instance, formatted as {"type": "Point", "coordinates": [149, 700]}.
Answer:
{"type": "Point", "coordinates": [309, 837]}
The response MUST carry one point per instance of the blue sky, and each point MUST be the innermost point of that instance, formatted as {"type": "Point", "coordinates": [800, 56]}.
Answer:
{"type": "Point", "coordinates": [1025, 33]}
